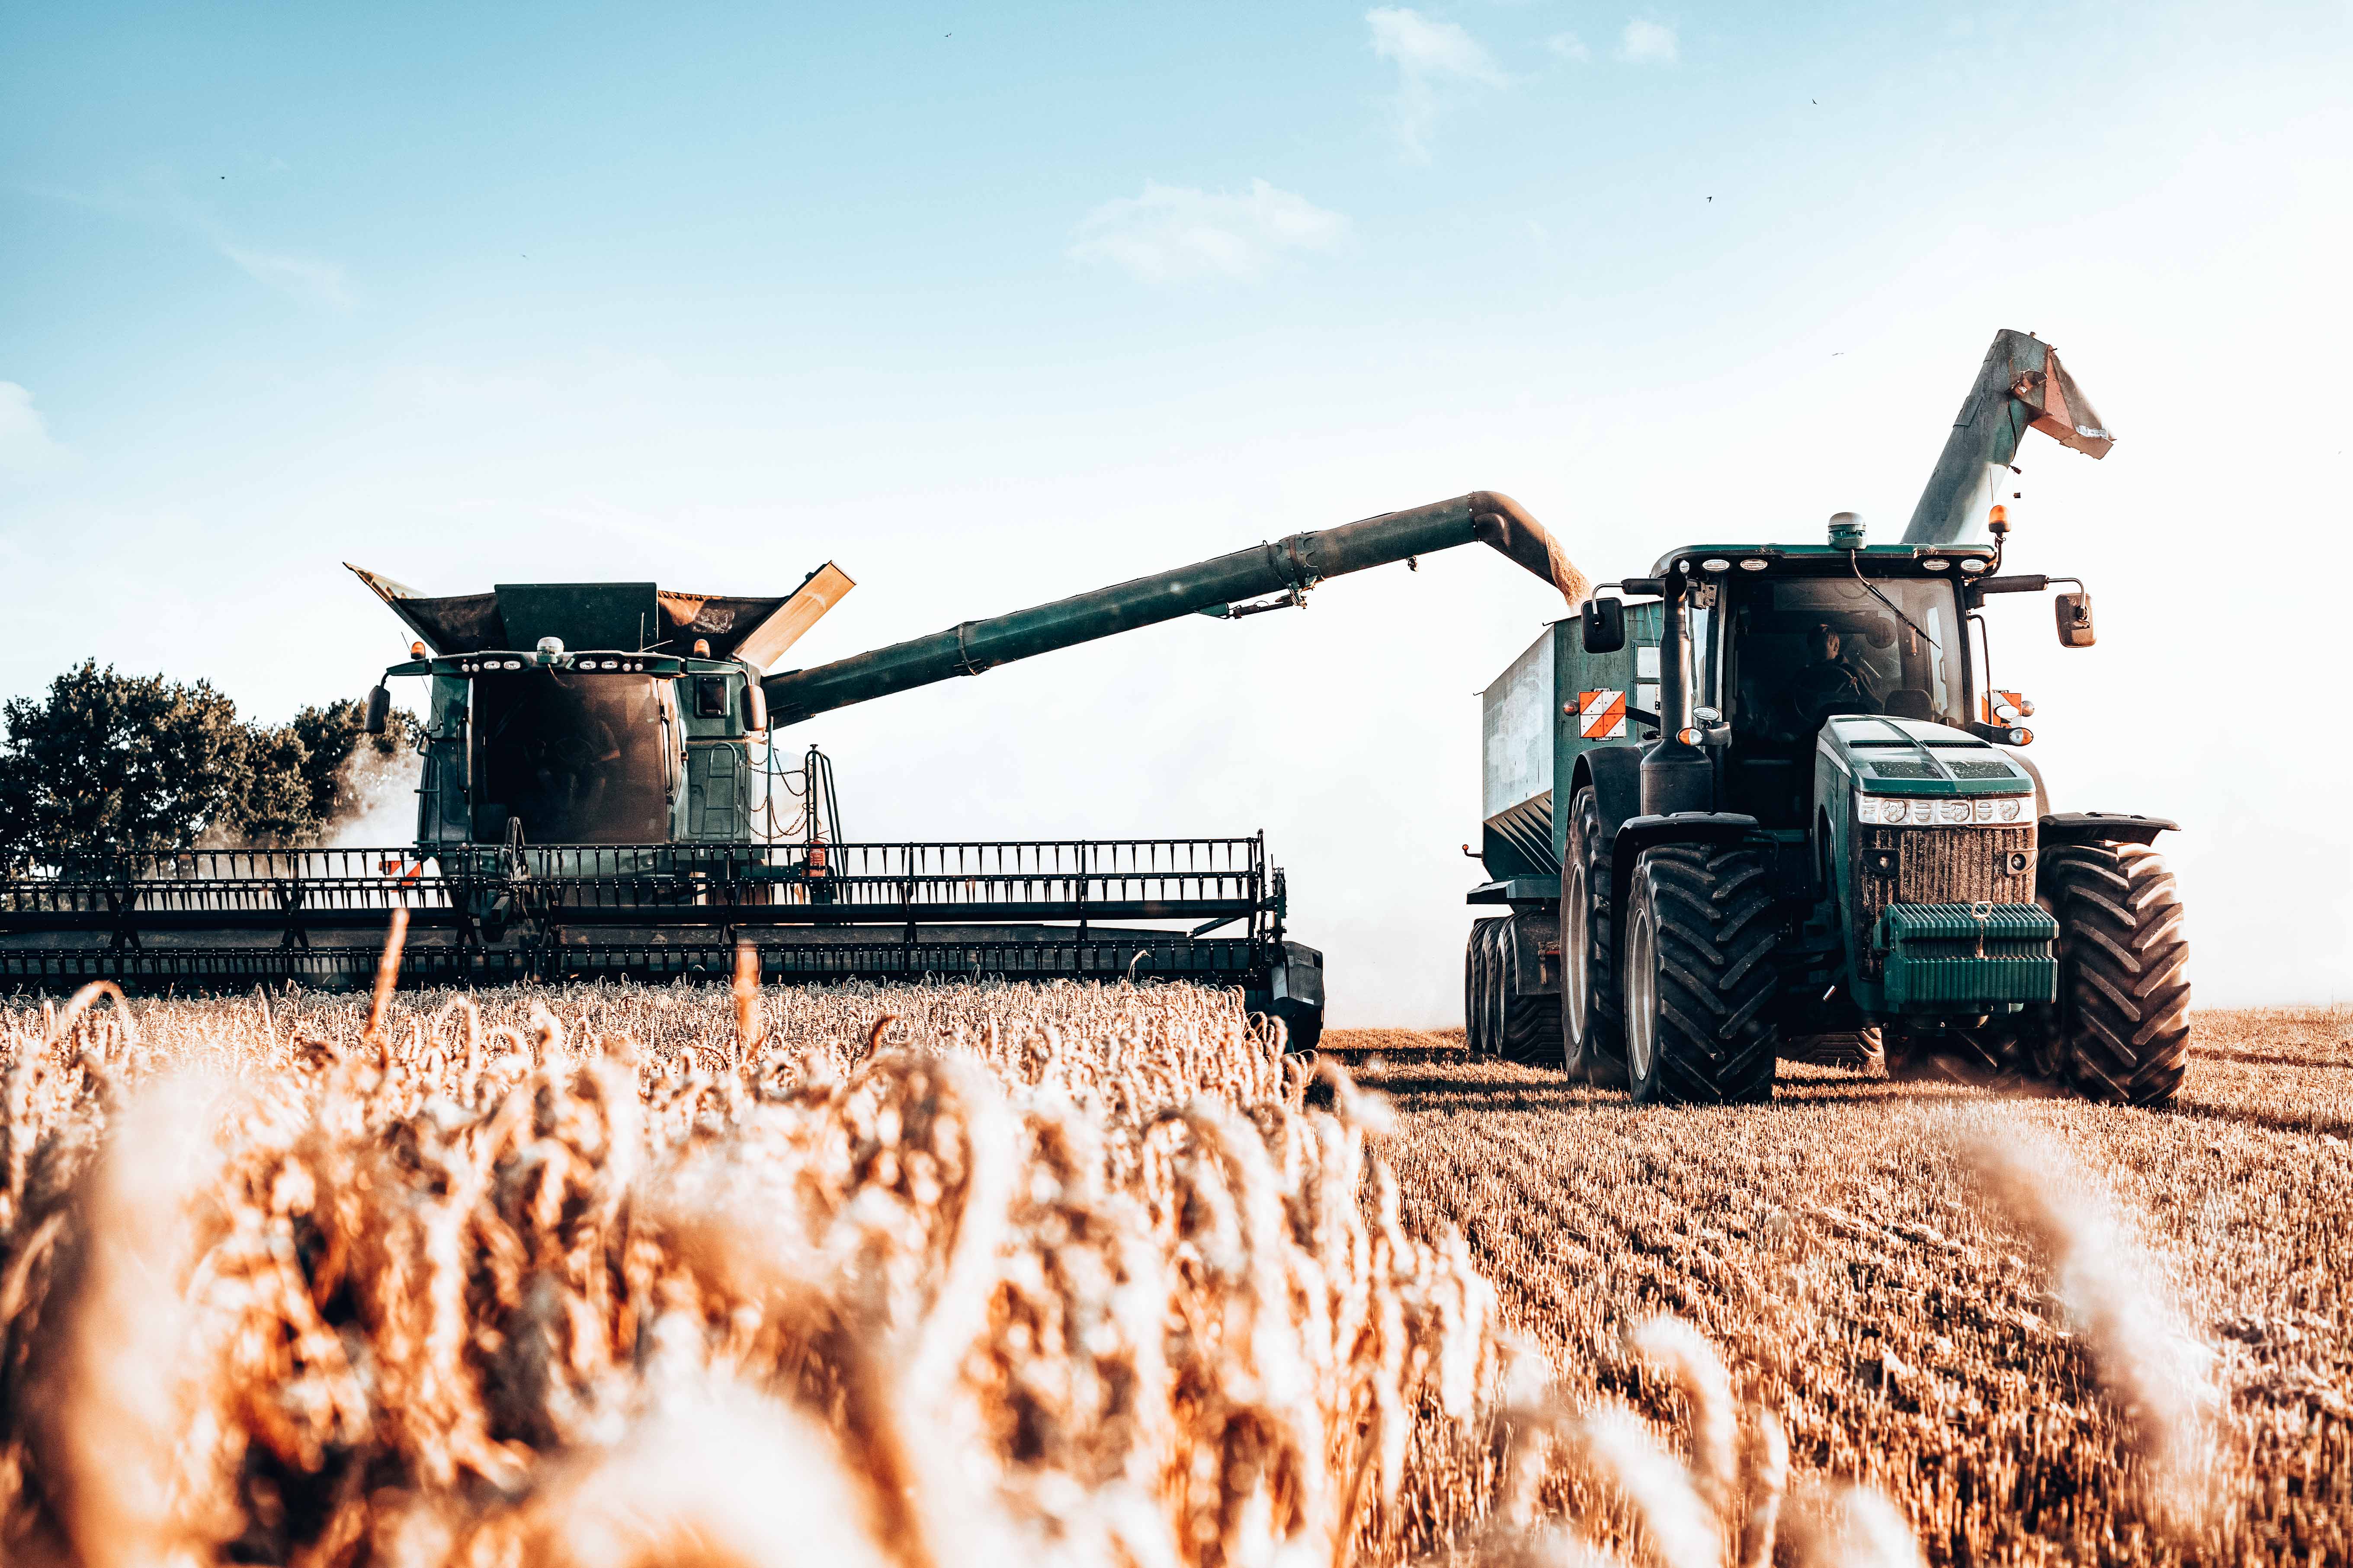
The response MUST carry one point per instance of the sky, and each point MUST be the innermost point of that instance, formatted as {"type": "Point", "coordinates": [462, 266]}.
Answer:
{"type": "Point", "coordinates": [989, 305]}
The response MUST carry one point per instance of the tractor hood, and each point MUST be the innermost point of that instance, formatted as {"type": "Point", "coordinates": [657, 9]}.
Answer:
{"type": "Point", "coordinates": [1912, 756]}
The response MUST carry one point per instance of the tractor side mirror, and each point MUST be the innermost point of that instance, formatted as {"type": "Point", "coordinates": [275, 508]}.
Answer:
{"type": "Point", "coordinates": [1605, 625]}
{"type": "Point", "coordinates": [756, 706]}
{"type": "Point", "coordinates": [2074, 616]}
{"type": "Point", "coordinates": [378, 718]}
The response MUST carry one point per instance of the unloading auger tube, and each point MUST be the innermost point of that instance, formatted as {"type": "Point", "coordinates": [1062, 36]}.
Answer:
{"type": "Point", "coordinates": [1217, 586]}
{"type": "Point", "coordinates": [2021, 386]}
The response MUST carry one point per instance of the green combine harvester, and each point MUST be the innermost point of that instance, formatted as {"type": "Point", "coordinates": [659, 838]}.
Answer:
{"type": "Point", "coordinates": [606, 792]}
{"type": "Point", "coordinates": [1765, 802]}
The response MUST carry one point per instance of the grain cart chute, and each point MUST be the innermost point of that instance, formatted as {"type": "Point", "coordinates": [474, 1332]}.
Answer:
{"type": "Point", "coordinates": [605, 792]}
{"type": "Point", "coordinates": [1766, 801]}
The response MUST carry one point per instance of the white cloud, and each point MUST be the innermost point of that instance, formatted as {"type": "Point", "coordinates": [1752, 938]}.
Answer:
{"type": "Point", "coordinates": [1568, 47]}
{"type": "Point", "coordinates": [1430, 55]}
{"type": "Point", "coordinates": [1173, 233]}
{"type": "Point", "coordinates": [26, 443]}
{"type": "Point", "coordinates": [1647, 44]}
{"type": "Point", "coordinates": [321, 282]}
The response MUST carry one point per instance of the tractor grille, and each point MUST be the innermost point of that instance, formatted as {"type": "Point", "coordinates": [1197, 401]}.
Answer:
{"type": "Point", "coordinates": [1932, 865]}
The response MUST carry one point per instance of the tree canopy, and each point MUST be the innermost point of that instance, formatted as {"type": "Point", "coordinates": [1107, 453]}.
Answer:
{"type": "Point", "coordinates": [106, 762]}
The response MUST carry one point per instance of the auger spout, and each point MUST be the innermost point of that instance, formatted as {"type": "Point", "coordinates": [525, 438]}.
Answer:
{"type": "Point", "coordinates": [2020, 385]}
{"type": "Point", "coordinates": [1288, 565]}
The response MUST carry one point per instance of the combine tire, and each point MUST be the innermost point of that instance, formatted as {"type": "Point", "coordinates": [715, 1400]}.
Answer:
{"type": "Point", "coordinates": [1531, 1035]}
{"type": "Point", "coordinates": [1477, 962]}
{"type": "Point", "coordinates": [2123, 1024]}
{"type": "Point", "coordinates": [1699, 976]}
{"type": "Point", "coordinates": [1593, 1040]}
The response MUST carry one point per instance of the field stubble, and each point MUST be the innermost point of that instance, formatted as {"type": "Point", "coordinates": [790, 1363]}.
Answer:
{"type": "Point", "coordinates": [1991, 1310]}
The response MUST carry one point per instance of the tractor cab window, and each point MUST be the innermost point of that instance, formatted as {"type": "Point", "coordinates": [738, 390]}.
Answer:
{"type": "Point", "coordinates": [1808, 648]}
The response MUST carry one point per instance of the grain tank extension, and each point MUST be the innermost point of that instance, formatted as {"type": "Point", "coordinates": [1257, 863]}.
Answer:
{"type": "Point", "coordinates": [1764, 802]}
{"type": "Point", "coordinates": [607, 789]}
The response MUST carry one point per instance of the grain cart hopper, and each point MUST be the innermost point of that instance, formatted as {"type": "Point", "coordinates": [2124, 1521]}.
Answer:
{"type": "Point", "coordinates": [605, 791]}
{"type": "Point", "coordinates": [1766, 801]}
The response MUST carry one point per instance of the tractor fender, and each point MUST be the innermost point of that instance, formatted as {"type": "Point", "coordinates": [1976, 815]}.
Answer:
{"type": "Point", "coordinates": [2041, 795]}
{"type": "Point", "coordinates": [1640, 833]}
{"type": "Point", "coordinates": [1616, 774]}
{"type": "Point", "coordinates": [2100, 827]}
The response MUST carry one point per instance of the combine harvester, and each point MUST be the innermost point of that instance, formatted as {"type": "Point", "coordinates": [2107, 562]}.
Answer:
{"type": "Point", "coordinates": [604, 793]}
{"type": "Point", "coordinates": [1766, 801]}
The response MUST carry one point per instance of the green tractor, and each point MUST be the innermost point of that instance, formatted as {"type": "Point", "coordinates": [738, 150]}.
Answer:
{"type": "Point", "coordinates": [1765, 803]}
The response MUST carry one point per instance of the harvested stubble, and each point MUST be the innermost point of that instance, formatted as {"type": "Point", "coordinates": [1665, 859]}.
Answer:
{"type": "Point", "coordinates": [2050, 1330]}
{"type": "Point", "coordinates": [615, 1274]}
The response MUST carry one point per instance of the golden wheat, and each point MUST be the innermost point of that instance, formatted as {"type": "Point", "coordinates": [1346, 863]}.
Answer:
{"type": "Point", "coordinates": [626, 1274]}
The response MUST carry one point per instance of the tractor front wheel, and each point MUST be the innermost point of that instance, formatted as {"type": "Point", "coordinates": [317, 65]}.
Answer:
{"type": "Point", "coordinates": [1700, 932]}
{"type": "Point", "coordinates": [2122, 1029]}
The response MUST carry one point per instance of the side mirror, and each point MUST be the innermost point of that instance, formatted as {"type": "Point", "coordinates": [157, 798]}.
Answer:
{"type": "Point", "coordinates": [379, 712]}
{"type": "Point", "coordinates": [1605, 625]}
{"type": "Point", "coordinates": [756, 706]}
{"type": "Point", "coordinates": [2074, 616]}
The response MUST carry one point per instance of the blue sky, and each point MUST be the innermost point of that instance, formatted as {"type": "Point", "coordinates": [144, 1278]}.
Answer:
{"type": "Point", "coordinates": [994, 304]}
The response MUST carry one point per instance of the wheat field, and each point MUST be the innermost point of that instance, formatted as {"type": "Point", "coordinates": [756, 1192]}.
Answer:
{"type": "Point", "coordinates": [2049, 1332]}
{"type": "Point", "coordinates": [621, 1274]}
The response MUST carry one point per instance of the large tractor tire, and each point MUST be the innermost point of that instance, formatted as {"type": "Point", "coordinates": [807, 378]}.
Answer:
{"type": "Point", "coordinates": [1478, 964]}
{"type": "Point", "coordinates": [1531, 1033]}
{"type": "Point", "coordinates": [1593, 1042]}
{"type": "Point", "coordinates": [1699, 976]}
{"type": "Point", "coordinates": [2122, 1032]}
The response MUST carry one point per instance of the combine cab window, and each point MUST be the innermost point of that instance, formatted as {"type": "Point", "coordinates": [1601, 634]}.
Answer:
{"type": "Point", "coordinates": [577, 759]}
{"type": "Point", "coordinates": [1810, 647]}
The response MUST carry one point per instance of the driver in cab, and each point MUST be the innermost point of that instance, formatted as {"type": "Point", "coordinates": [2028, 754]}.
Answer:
{"type": "Point", "coordinates": [1826, 684]}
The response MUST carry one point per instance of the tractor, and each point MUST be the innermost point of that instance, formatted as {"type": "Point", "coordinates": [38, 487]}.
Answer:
{"type": "Point", "coordinates": [1765, 803]}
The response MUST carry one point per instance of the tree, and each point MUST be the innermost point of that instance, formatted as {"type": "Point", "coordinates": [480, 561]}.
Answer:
{"type": "Point", "coordinates": [108, 763]}
{"type": "Point", "coordinates": [111, 761]}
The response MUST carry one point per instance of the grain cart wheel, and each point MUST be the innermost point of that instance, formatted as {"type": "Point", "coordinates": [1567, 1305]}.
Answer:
{"type": "Point", "coordinates": [1986, 1056]}
{"type": "Point", "coordinates": [1593, 1040]}
{"type": "Point", "coordinates": [1531, 1034]}
{"type": "Point", "coordinates": [1699, 938]}
{"type": "Point", "coordinates": [2123, 1025]}
{"type": "Point", "coordinates": [1491, 986]}
{"type": "Point", "coordinates": [1853, 1049]}
{"type": "Point", "coordinates": [1475, 951]}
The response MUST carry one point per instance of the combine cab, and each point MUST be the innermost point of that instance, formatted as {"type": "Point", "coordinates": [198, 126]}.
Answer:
{"type": "Point", "coordinates": [1765, 802]}
{"type": "Point", "coordinates": [604, 793]}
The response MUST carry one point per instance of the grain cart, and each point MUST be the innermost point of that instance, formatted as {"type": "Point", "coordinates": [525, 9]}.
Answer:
{"type": "Point", "coordinates": [1766, 802]}
{"type": "Point", "coordinates": [606, 792]}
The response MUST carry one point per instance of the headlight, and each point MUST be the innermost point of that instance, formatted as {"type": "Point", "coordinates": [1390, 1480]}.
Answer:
{"type": "Point", "coordinates": [1952, 811]}
{"type": "Point", "coordinates": [2012, 807]}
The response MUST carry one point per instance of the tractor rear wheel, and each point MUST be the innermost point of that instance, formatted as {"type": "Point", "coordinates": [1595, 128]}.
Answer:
{"type": "Point", "coordinates": [1531, 1034]}
{"type": "Point", "coordinates": [1700, 932]}
{"type": "Point", "coordinates": [2123, 1024]}
{"type": "Point", "coordinates": [1593, 1040]}
{"type": "Point", "coordinates": [1476, 963]}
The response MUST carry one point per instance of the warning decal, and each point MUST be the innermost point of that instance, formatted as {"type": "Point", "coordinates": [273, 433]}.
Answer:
{"type": "Point", "coordinates": [1601, 715]}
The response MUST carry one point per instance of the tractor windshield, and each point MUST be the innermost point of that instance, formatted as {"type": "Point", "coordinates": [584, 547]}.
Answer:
{"type": "Point", "coordinates": [576, 759]}
{"type": "Point", "coordinates": [1801, 649]}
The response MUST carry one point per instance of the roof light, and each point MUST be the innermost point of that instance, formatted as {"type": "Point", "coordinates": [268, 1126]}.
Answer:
{"type": "Point", "coordinates": [1755, 564]}
{"type": "Point", "coordinates": [1935, 564]}
{"type": "Point", "coordinates": [416, 650]}
{"type": "Point", "coordinates": [550, 649]}
{"type": "Point", "coordinates": [1687, 735]}
{"type": "Point", "coordinates": [703, 647]}
{"type": "Point", "coordinates": [1715, 563]}
{"type": "Point", "coordinates": [1973, 563]}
